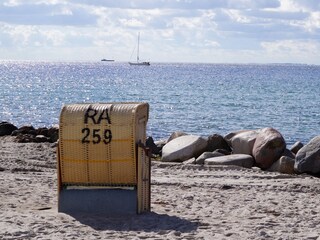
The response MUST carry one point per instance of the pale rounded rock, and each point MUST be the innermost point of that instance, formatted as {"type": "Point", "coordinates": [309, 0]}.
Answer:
{"type": "Point", "coordinates": [242, 143]}
{"type": "Point", "coordinates": [183, 148]}
{"type": "Point", "coordinates": [230, 135]}
{"type": "Point", "coordinates": [242, 160]}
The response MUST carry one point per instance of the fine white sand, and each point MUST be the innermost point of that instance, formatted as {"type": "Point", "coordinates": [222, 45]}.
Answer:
{"type": "Point", "coordinates": [187, 201]}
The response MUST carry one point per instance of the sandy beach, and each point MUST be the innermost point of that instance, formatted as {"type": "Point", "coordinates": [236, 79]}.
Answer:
{"type": "Point", "coordinates": [187, 202]}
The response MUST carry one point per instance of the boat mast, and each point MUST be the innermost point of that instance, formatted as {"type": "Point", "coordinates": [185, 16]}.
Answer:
{"type": "Point", "coordinates": [138, 47]}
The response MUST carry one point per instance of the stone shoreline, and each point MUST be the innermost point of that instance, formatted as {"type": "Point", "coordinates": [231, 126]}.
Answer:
{"type": "Point", "coordinates": [263, 148]}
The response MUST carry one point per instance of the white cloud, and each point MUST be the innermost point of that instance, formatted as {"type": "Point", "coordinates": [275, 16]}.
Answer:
{"type": "Point", "coordinates": [212, 44]}
{"type": "Point", "coordinates": [131, 23]}
{"type": "Point", "coordinates": [237, 16]}
{"type": "Point", "coordinates": [183, 4]}
{"type": "Point", "coordinates": [32, 2]}
{"type": "Point", "coordinates": [56, 37]}
{"type": "Point", "coordinates": [300, 5]}
{"type": "Point", "coordinates": [293, 50]}
{"type": "Point", "coordinates": [185, 23]}
{"type": "Point", "coordinates": [313, 22]}
{"type": "Point", "coordinates": [62, 11]}
{"type": "Point", "coordinates": [21, 34]}
{"type": "Point", "coordinates": [201, 28]}
{"type": "Point", "coordinates": [42, 13]}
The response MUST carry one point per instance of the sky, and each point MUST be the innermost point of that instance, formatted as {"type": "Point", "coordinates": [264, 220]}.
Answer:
{"type": "Point", "coordinates": [200, 31]}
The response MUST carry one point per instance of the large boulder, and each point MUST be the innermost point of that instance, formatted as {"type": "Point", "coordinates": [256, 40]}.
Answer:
{"type": "Point", "coordinates": [183, 148]}
{"type": "Point", "coordinates": [283, 165]}
{"type": "Point", "coordinates": [7, 128]}
{"type": "Point", "coordinates": [242, 160]}
{"type": "Point", "coordinates": [215, 142]}
{"type": "Point", "coordinates": [25, 130]}
{"type": "Point", "coordinates": [242, 143]}
{"type": "Point", "coordinates": [268, 147]}
{"type": "Point", "coordinates": [308, 157]}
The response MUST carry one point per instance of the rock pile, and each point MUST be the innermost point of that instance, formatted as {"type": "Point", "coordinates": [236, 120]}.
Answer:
{"type": "Point", "coordinates": [264, 148]}
{"type": "Point", "coordinates": [27, 134]}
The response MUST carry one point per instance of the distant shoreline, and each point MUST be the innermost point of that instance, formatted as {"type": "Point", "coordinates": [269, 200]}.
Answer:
{"type": "Point", "coordinates": [155, 62]}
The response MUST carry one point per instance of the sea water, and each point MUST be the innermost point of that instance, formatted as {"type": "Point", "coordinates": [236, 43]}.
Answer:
{"type": "Point", "coordinates": [200, 99]}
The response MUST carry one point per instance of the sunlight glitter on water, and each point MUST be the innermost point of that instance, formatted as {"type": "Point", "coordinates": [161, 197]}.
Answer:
{"type": "Point", "coordinates": [197, 98]}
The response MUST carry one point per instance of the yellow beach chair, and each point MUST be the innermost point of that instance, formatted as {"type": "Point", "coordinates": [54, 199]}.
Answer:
{"type": "Point", "coordinates": [103, 166]}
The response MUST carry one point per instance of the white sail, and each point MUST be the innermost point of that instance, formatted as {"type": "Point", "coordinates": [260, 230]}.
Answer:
{"type": "Point", "coordinates": [138, 59]}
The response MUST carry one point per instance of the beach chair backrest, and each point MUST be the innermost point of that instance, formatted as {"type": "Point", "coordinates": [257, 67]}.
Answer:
{"type": "Point", "coordinates": [98, 146]}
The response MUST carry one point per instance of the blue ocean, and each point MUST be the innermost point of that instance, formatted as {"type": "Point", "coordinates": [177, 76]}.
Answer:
{"type": "Point", "coordinates": [200, 99]}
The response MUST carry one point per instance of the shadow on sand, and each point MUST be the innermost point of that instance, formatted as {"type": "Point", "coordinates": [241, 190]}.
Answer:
{"type": "Point", "coordinates": [148, 222]}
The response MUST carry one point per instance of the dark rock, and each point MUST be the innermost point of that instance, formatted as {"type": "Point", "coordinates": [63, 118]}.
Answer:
{"type": "Point", "coordinates": [42, 131]}
{"type": "Point", "coordinates": [26, 130]}
{"type": "Point", "coordinates": [7, 128]}
{"type": "Point", "coordinates": [308, 157]}
{"type": "Point", "coordinates": [288, 153]}
{"type": "Point", "coordinates": [296, 147]}
{"type": "Point", "coordinates": [27, 134]}
{"type": "Point", "coordinates": [53, 134]}
{"type": "Point", "coordinates": [14, 133]}
{"type": "Point", "coordinates": [268, 147]}
{"type": "Point", "coordinates": [283, 165]}
{"type": "Point", "coordinates": [226, 187]}
{"type": "Point", "coordinates": [223, 151]}
{"type": "Point", "coordinates": [152, 146]}
{"type": "Point", "coordinates": [205, 155]}
{"type": "Point", "coordinates": [25, 138]}
{"type": "Point", "coordinates": [215, 142]}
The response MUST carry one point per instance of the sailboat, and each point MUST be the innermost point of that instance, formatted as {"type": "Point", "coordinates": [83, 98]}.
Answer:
{"type": "Point", "coordinates": [144, 63]}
